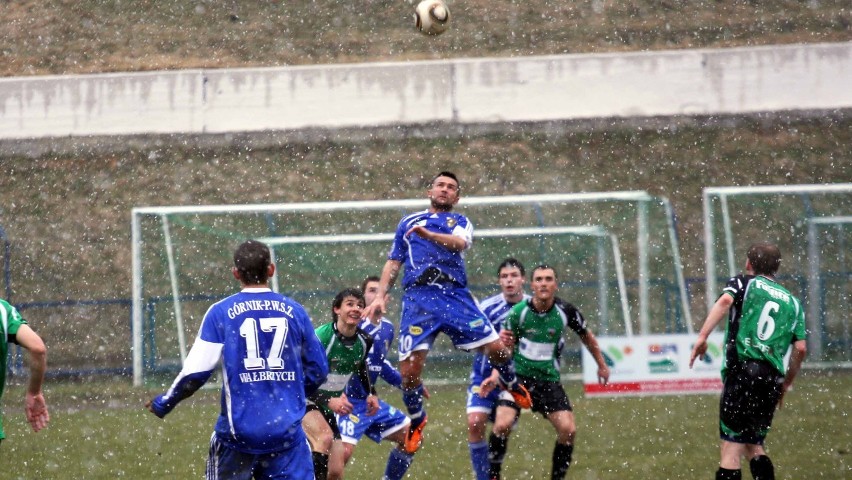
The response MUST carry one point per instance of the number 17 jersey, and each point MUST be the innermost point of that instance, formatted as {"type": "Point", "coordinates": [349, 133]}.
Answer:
{"type": "Point", "coordinates": [271, 359]}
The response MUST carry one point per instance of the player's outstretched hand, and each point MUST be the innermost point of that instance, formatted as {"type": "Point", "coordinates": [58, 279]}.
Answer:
{"type": "Point", "coordinates": [784, 389]}
{"type": "Point", "coordinates": [36, 411]}
{"type": "Point", "coordinates": [425, 392]}
{"type": "Point", "coordinates": [698, 351]}
{"type": "Point", "coordinates": [603, 375]}
{"type": "Point", "coordinates": [372, 405]}
{"type": "Point", "coordinates": [375, 309]}
{"type": "Point", "coordinates": [149, 405]}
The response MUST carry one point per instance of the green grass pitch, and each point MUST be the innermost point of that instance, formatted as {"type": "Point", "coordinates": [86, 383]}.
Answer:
{"type": "Point", "coordinates": [101, 431]}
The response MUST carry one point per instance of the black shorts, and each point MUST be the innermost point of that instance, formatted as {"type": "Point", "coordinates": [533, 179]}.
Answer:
{"type": "Point", "coordinates": [749, 398]}
{"type": "Point", "coordinates": [547, 397]}
{"type": "Point", "coordinates": [329, 417]}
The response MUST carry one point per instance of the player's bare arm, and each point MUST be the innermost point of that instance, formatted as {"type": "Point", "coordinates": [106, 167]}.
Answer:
{"type": "Point", "coordinates": [594, 348]}
{"type": "Point", "coordinates": [36, 407]}
{"type": "Point", "coordinates": [448, 241]}
{"type": "Point", "coordinates": [797, 356]}
{"type": "Point", "coordinates": [389, 273]}
{"type": "Point", "coordinates": [717, 313]}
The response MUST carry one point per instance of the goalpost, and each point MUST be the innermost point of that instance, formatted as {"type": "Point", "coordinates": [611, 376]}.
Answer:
{"type": "Point", "coordinates": [809, 223]}
{"type": "Point", "coordinates": [181, 255]}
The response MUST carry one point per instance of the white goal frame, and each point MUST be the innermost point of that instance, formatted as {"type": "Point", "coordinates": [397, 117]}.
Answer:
{"type": "Point", "coordinates": [722, 193]}
{"type": "Point", "coordinates": [814, 263]}
{"type": "Point", "coordinates": [641, 198]}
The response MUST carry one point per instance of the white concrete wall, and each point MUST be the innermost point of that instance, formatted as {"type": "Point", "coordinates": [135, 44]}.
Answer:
{"type": "Point", "coordinates": [563, 87]}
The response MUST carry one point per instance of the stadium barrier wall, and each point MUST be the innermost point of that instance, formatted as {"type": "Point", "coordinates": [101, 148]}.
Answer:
{"type": "Point", "coordinates": [811, 77]}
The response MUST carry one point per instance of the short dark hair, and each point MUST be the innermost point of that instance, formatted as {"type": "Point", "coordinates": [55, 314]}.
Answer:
{"type": "Point", "coordinates": [446, 174]}
{"type": "Point", "coordinates": [341, 295]}
{"type": "Point", "coordinates": [765, 258]}
{"type": "Point", "coordinates": [544, 266]}
{"type": "Point", "coordinates": [511, 263]}
{"type": "Point", "coordinates": [370, 278]}
{"type": "Point", "coordinates": [252, 260]}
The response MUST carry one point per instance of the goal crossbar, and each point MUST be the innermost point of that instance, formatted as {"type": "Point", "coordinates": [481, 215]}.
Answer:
{"type": "Point", "coordinates": [641, 199]}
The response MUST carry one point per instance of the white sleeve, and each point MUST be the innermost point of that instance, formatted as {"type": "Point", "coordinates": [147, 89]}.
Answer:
{"type": "Point", "coordinates": [465, 232]}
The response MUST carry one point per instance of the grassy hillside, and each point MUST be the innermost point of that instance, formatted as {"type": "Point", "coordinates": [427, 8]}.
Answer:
{"type": "Point", "coordinates": [62, 37]}
{"type": "Point", "coordinates": [68, 217]}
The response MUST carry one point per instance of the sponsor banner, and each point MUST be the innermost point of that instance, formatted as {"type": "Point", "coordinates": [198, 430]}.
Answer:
{"type": "Point", "coordinates": [654, 365]}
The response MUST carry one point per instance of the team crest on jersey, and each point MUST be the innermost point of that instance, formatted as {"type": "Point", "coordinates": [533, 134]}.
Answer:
{"type": "Point", "coordinates": [451, 222]}
{"type": "Point", "coordinates": [354, 418]}
{"type": "Point", "coordinates": [477, 323]}
{"type": "Point", "coordinates": [415, 330]}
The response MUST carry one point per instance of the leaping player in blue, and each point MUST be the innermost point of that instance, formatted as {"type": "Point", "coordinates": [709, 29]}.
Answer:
{"type": "Point", "coordinates": [388, 423]}
{"type": "Point", "coordinates": [271, 360]}
{"type": "Point", "coordinates": [436, 299]}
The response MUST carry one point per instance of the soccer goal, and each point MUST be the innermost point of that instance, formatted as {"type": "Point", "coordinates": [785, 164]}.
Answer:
{"type": "Point", "coordinates": [614, 251]}
{"type": "Point", "coordinates": [811, 225]}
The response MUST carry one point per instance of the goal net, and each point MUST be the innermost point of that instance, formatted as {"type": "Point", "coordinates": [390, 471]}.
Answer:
{"type": "Point", "coordinates": [812, 226]}
{"type": "Point", "coordinates": [614, 252]}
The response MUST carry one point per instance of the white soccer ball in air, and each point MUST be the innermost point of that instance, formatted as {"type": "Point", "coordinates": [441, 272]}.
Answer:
{"type": "Point", "coordinates": [432, 17]}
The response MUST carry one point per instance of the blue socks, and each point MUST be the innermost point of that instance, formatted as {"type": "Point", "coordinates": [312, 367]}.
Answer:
{"type": "Point", "coordinates": [398, 463]}
{"type": "Point", "coordinates": [479, 459]}
{"type": "Point", "coordinates": [413, 400]}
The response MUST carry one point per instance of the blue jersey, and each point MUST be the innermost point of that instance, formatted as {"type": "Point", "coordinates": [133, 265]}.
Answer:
{"type": "Point", "coordinates": [271, 360]}
{"type": "Point", "coordinates": [496, 309]}
{"type": "Point", "coordinates": [377, 363]}
{"type": "Point", "coordinates": [426, 262]}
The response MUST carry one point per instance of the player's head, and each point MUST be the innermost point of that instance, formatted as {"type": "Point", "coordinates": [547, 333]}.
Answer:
{"type": "Point", "coordinates": [370, 287]}
{"type": "Point", "coordinates": [252, 263]}
{"type": "Point", "coordinates": [544, 282]}
{"type": "Point", "coordinates": [510, 277]}
{"type": "Point", "coordinates": [444, 191]}
{"type": "Point", "coordinates": [347, 306]}
{"type": "Point", "coordinates": [764, 258]}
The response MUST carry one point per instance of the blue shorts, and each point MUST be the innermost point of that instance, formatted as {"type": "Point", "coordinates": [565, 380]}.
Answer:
{"type": "Point", "coordinates": [427, 310]}
{"type": "Point", "coordinates": [489, 404]}
{"type": "Point", "coordinates": [295, 463]}
{"type": "Point", "coordinates": [386, 421]}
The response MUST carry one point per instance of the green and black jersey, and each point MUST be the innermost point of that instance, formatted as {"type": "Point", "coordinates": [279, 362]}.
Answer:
{"type": "Point", "coordinates": [764, 320]}
{"type": "Point", "coordinates": [538, 337]}
{"type": "Point", "coordinates": [346, 356]}
{"type": "Point", "coordinates": [10, 322]}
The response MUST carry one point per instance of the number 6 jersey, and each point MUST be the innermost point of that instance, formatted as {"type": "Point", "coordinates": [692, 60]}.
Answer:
{"type": "Point", "coordinates": [764, 320]}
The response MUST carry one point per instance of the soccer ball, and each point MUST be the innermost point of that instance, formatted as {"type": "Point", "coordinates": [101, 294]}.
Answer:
{"type": "Point", "coordinates": [432, 17]}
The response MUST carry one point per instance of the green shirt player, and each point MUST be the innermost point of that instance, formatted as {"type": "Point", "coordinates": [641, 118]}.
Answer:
{"type": "Point", "coordinates": [764, 319]}
{"type": "Point", "coordinates": [534, 329]}
{"type": "Point", "coordinates": [14, 329]}
{"type": "Point", "coordinates": [346, 347]}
